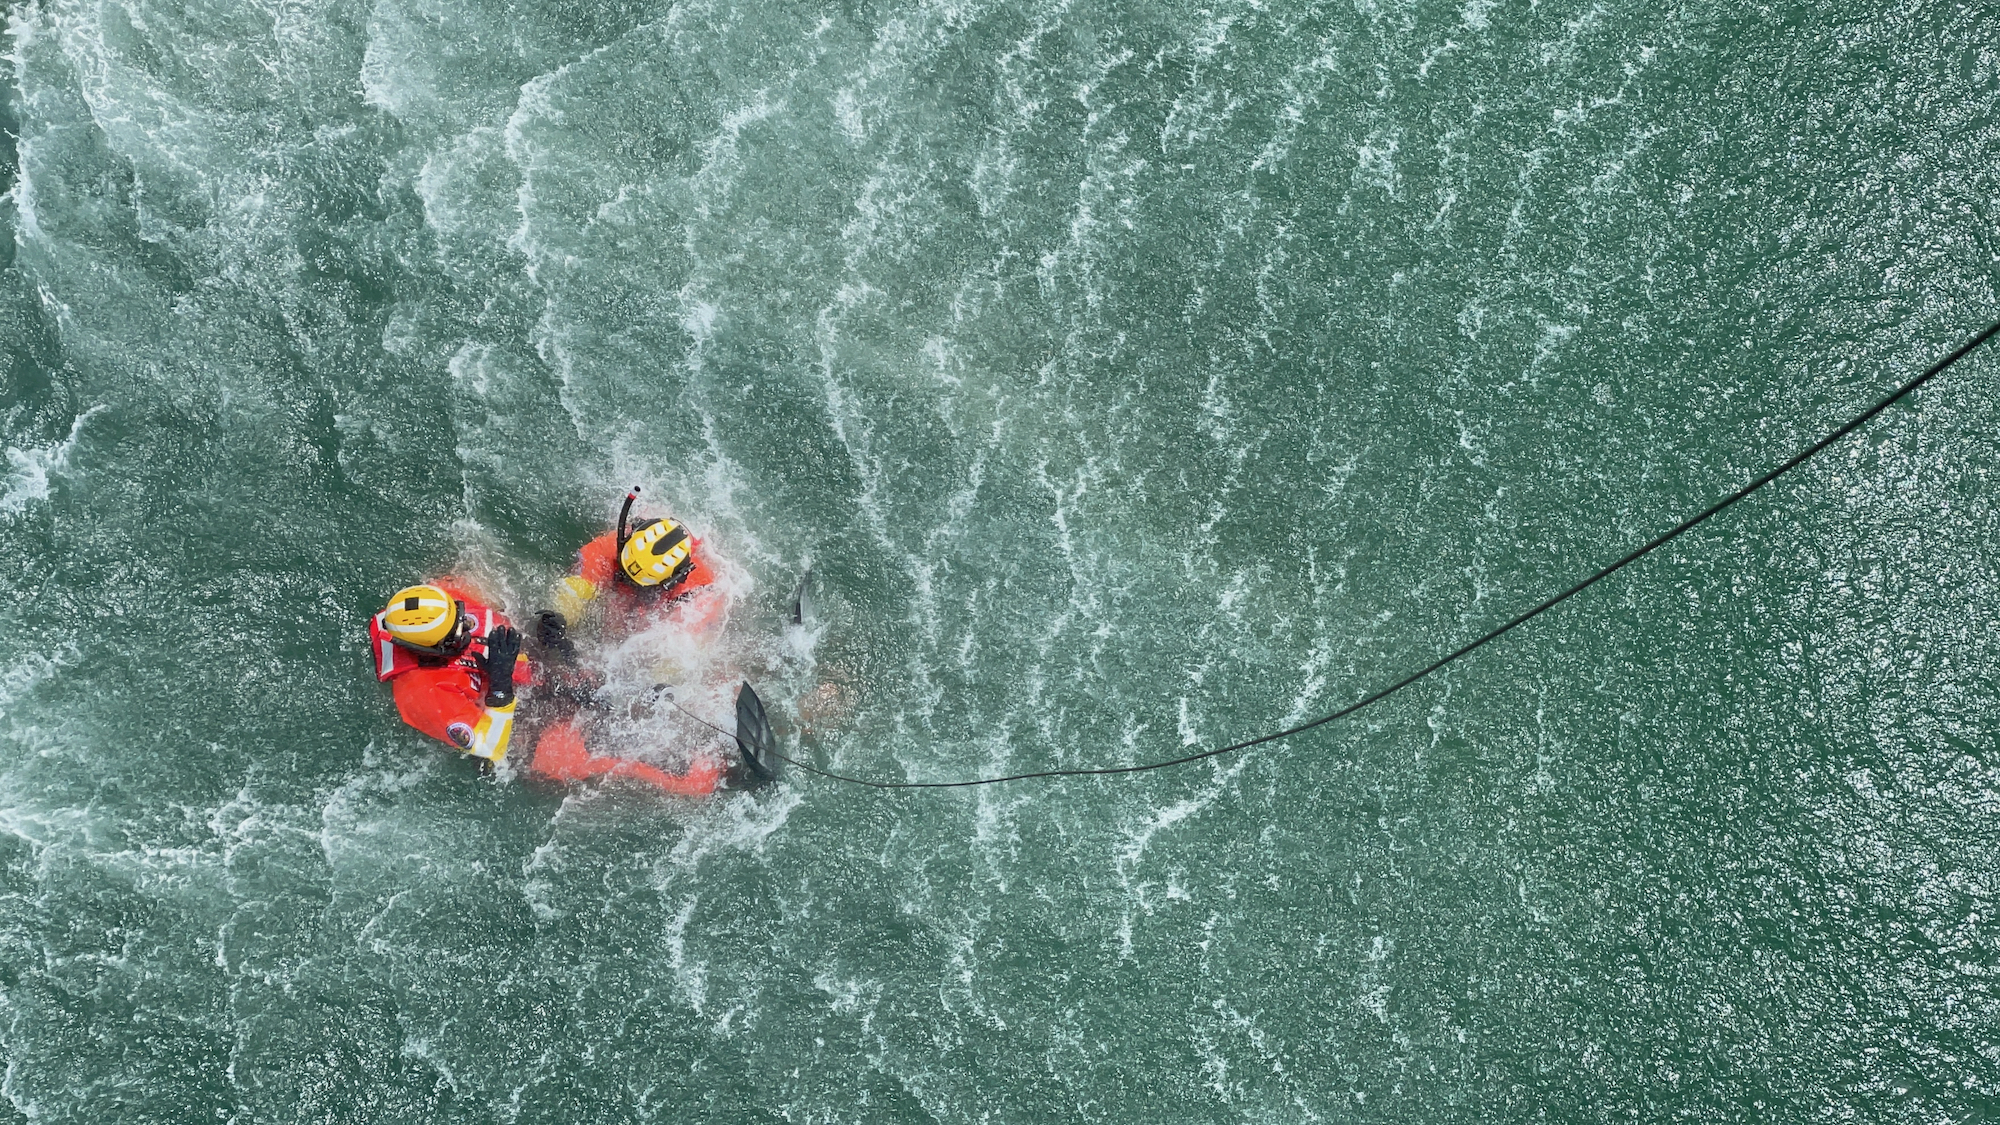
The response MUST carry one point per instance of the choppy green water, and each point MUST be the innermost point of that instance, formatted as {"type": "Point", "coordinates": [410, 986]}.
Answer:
{"type": "Point", "coordinates": [1133, 377]}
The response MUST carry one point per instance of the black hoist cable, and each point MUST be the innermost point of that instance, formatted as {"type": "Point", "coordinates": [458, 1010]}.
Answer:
{"type": "Point", "coordinates": [1661, 540]}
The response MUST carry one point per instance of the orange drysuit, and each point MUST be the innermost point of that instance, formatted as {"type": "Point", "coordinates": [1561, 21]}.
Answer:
{"type": "Point", "coordinates": [560, 752]}
{"type": "Point", "coordinates": [446, 699]}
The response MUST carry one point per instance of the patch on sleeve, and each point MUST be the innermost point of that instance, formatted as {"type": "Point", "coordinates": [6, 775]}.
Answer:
{"type": "Point", "coordinates": [461, 735]}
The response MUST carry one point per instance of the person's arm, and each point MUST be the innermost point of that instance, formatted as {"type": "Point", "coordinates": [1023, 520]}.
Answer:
{"type": "Point", "coordinates": [491, 731]}
{"type": "Point", "coordinates": [573, 595]}
{"type": "Point", "coordinates": [473, 713]}
{"type": "Point", "coordinates": [447, 704]}
{"type": "Point", "coordinates": [596, 567]}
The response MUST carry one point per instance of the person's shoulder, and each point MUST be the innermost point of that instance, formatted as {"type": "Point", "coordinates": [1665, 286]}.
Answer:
{"type": "Point", "coordinates": [699, 574]}
{"type": "Point", "coordinates": [462, 589]}
{"type": "Point", "coordinates": [597, 560]}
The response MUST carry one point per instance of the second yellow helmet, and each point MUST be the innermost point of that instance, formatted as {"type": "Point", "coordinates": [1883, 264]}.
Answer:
{"type": "Point", "coordinates": [655, 552]}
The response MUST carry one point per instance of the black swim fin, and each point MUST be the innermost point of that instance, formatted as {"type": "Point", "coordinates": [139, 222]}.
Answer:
{"type": "Point", "coordinates": [753, 737]}
{"type": "Point", "coordinates": [799, 597]}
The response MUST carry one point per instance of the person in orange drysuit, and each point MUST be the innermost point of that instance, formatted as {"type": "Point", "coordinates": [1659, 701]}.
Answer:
{"type": "Point", "coordinates": [634, 577]}
{"type": "Point", "coordinates": [452, 663]}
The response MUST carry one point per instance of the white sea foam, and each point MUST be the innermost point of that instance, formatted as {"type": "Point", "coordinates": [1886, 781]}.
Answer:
{"type": "Point", "coordinates": [692, 978]}
{"type": "Point", "coordinates": [450, 184]}
{"type": "Point", "coordinates": [392, 77]}
{"type": "Point", "coordinates": [1553, 337]}
{"type": "Point", "coordinates": [541, 878]}
{"type": "Point", "coordinates": [30, 468]}
{"type": "Point", "coordinates": [1375, 163]}
{"type": "Point", "coordinates": [21, 28]}
{"type": "Point", "coordinates": [27, 671]}
{"type": "Point", "coordinates": [733, 824]}
{"type": "Point", "coordinates": [848, 996]}
{"type": "Point", "coordinates": [24, 811]}
{"type": "Point", "coordinates": [1139, 839]}
{"type": "Point", "coordinates": [1313, 671]}
{"type": "Point", "coordinates": [27, 223]}
{"type": "Point", "coordinates": [995, 839]}
{"type": "Point", "coordinates": [534, 102]}
{"type": "Point", "coordinates": [347, 823]}
{"type": "Point", "coordinates": [22, 816]}
{"type": "Point", "coordinates": [422, 1049]}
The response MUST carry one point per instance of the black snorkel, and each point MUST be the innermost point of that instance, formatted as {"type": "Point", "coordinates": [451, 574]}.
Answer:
{"type": "Point", "coordinates": [630, 570]}
{"type": "Point", "coordinates": [625, 514]}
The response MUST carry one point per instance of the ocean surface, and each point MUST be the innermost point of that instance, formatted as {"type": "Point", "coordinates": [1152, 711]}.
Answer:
{"type": "Point", "coordinates": [1132, 378]}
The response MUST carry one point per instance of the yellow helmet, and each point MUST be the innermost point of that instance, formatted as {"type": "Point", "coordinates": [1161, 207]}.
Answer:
{"type": "Point", "coordinates": [423, 618]}
{"type": "Point", "coordinates": [655, 553]}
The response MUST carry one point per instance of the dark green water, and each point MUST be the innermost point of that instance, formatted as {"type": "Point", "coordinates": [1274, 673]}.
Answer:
{"type": "Point", "coordinates": [1133, 377]}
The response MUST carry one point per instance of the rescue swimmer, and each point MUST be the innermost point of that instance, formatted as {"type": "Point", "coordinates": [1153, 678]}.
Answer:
{"type": "Point", "coordinates": [631, 578]}
{"type": "Point", "coordinates": [451, 663]}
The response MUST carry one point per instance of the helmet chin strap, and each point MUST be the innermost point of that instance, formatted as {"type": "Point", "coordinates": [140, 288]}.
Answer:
{"type": "Point", "coordinates": [460, 632]}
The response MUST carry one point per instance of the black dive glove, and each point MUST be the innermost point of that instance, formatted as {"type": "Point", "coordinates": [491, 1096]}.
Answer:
{"type": "Point", "coordinates": [552, 634]}
{"type": "Point", "coordinates": [503, 645]}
